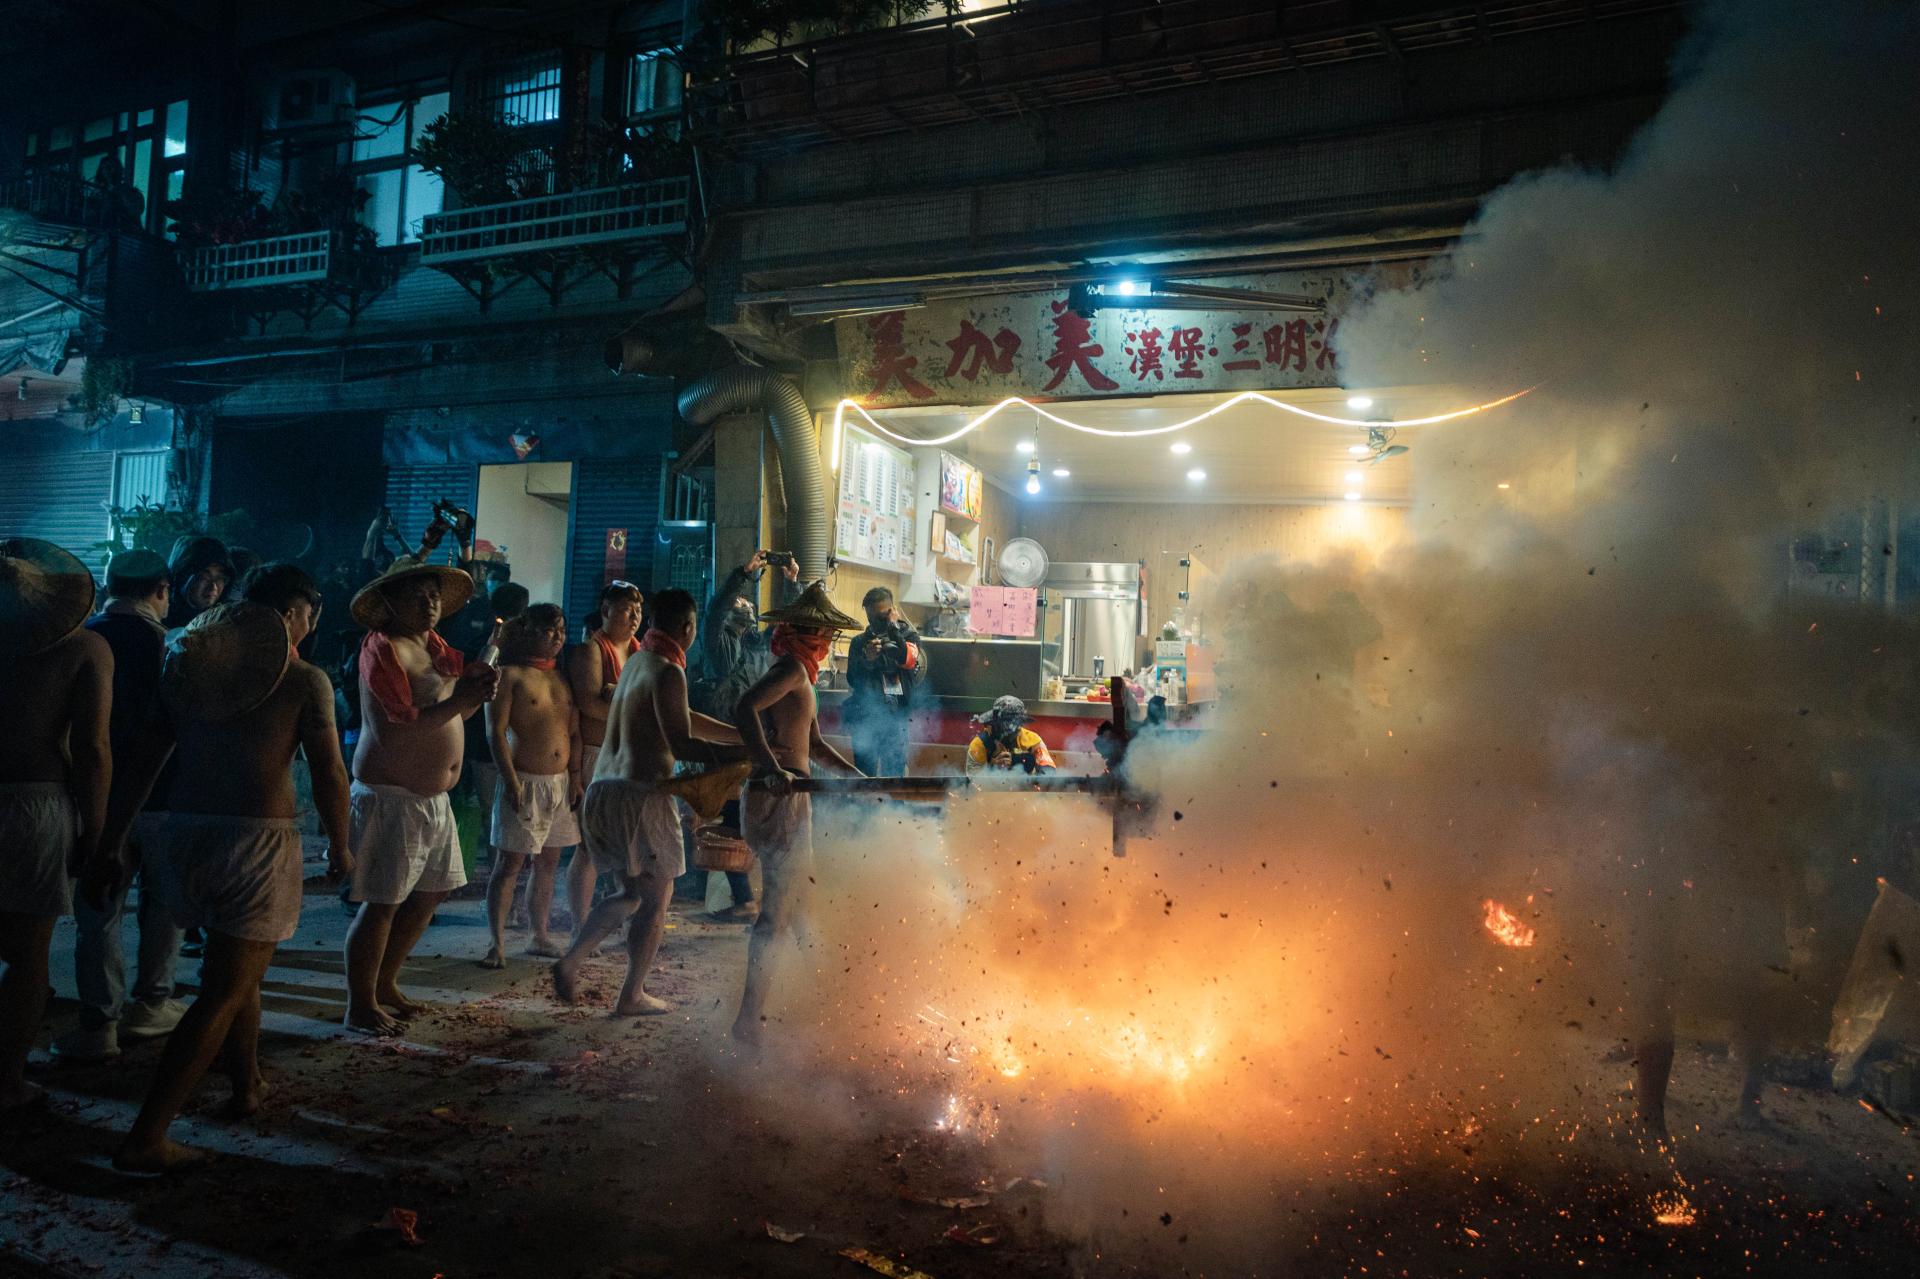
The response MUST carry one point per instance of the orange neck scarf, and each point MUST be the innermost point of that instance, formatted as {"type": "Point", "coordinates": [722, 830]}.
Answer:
{"type": "Point", "coordinates": [808, 650]}
{"type": "Point", "coordinates": [381, 674]}
{"type": "Point", "coordinates": [663, 645]}
{"type": "Point", "coordinates": [613, 656]}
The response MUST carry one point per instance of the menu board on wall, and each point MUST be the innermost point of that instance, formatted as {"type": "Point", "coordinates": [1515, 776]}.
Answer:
{"type": "Point", "coordinates": [875, 524]}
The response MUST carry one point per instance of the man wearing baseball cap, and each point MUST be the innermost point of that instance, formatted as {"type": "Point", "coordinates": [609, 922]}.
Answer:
{"type": "Point", "coordinates": [55, 770]}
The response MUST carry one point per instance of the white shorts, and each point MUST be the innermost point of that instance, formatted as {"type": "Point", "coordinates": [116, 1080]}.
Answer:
{"type": "Point", "coordinates": [403, 843]}
{"type": "Point", "coordinates": [234, 875]}
{"type": "Point", "coordinates": [38, 826]}
{"type": "Point", "coordinates": [589, 759]}
{"type": "Point", "coordinates": [633, 829]}
{"type": "Point", "coordinates": [545, 820]}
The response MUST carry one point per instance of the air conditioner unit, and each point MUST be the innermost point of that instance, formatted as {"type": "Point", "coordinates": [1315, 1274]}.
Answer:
{"type": "Point", "coordinates": [308, 100]}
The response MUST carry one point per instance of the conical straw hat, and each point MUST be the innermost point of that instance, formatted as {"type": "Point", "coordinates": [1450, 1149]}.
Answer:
{"type": "Point", "coordinates": [813, 608]}
{"type": "Point", "coordinates": [370, 607]}
{"type": "Point", "coordinates": [45, 594]}
{"type": "Point", "coordinates": [226, 661]}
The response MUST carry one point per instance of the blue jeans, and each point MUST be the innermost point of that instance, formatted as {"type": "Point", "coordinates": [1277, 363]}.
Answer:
{"type": "Point", "coordinates": [99, 950]}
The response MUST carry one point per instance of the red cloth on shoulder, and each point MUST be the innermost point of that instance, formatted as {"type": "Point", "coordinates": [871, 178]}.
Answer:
{"type": "Point", "coordinates": [537, 663]}
{"type": "Point", "coordinates": [663, 645]}
{"type": "Point", "coordinates": [382, 675]}
{"type": "Point", "coordinates": [809, 650]}
{"type": "Point", "coordinates": [613, 657]}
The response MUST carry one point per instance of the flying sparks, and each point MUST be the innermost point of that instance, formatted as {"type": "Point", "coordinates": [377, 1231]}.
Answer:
{"type": "Point", "coordinates": [1670, 1208]}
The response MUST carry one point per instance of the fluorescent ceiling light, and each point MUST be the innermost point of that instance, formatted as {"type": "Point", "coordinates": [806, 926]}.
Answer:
{"type": "Point", "coordinates": [1354, 477]}
{"type": "Point", "coordinates": [1356, 450]}
{"type": "Point", "coordinates": [1024, 446]}
{"type": "Point", "coordinates": [1180, 447]}
{"type": "Point", "coordinates": [1061, 473]}
{"type": "Point", "coordinates": [1196, 474]}
{"type": "Point", "coordinates": [1353, 497]}
{"type": "Point", "coordinates": [1359, 401]}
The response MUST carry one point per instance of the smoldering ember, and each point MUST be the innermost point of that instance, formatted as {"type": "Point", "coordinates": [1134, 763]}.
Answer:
{"type": "Point", "coordinates": [997, 637]}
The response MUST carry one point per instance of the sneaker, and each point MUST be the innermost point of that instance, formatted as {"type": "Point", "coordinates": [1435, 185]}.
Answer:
{"type": "Point", "coordinates": [151, 1020]}
{"type": "Point", "coordinates": [101, 1043]}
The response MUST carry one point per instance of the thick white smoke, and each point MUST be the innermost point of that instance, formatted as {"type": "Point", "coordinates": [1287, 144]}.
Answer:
{"type": "Point", "coordinates": [1586, 695]}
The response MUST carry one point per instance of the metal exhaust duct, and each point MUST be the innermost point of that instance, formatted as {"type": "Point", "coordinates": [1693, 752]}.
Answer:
{"type": "Point", "coordinates": [742, 389]}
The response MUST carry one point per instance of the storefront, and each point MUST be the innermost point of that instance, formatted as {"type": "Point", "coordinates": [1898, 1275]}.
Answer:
{"type": "Point", "coordinates": [1095, 459]}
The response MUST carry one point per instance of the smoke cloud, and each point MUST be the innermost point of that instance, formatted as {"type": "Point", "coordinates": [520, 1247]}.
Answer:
{"type": "Point", "coordinates": [1587, 696]}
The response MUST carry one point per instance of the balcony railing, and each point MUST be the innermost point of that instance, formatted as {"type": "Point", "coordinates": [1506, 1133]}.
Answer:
{"type": "Point", "coordinates": [304, 258]}
{"type": "Point", "coordinates": [548, 223]}
{"type": "Point", "coordinates": [52, 197]}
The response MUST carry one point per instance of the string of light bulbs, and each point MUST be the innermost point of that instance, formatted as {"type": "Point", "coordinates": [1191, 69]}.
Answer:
{"type": "Point", "coordinates": [841, 410]}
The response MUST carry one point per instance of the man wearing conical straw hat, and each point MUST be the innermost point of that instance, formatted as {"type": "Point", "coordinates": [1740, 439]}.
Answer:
{"type": "Point", "coordinates": [779, 823]}
{"type": "Point", "coordinates": [415, 693]}
{"type": "Point", "coordinates": [55, 770]}
{"type": "Point", "coordinates": [239, 703]}
{"type": "Point", "coordinates": [631, 827]}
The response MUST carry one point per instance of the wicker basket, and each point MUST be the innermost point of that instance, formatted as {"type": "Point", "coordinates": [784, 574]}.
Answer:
{"type": "Point", "coordinates": [719, 847]}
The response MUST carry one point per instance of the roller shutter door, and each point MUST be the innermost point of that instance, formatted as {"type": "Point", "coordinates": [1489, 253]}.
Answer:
{"type": "Point", "coordinates": [610, 493]}
{"type": "Point", "coordinates": [412, 491]}
{"type": "Point", "coordinates": [58, 497]}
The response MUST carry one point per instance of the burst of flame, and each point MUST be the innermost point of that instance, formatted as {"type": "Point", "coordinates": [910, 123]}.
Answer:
{"type": "Point", "coordinates": [1670, 1208]}
{"type": "Point", "coordinates": [1506, 927]}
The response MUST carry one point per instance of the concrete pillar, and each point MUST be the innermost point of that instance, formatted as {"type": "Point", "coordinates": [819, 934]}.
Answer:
{"type": "Point", "coordinates": [739, 448]}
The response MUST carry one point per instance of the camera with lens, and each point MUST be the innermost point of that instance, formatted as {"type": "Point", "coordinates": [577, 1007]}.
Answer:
{"type": "Point", "coordinates": [780, 559]}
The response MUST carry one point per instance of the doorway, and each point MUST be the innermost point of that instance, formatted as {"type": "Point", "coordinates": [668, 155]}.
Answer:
{"type": "Point", "coordinates": [521, 518]}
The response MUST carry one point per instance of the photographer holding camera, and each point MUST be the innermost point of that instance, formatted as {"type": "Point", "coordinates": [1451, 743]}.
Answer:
{"type": "Point", "coordinates": [885, 663]}
{"type": "Point", "coordinates": [1003, 741]}
{"type": "Point", "coordinates": [733, 657]}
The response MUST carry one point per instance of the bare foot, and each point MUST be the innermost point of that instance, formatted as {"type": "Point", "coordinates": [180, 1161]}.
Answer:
{"type": "Point", "coordinates": [546, 948]}
{"type": "Point", "coordinates": [23, 1096]}
{"type": "Point", "coordinates": [566, 983]}
{"type": "Point", "coordinates": [495, 958]}
{"type": "Point", "coordinates": [1650, 1125]}
{"type": "Point", "coordinates": [403, 1008]}
{"type": "Point", "coordinates": [642, 1005]}
{"type": "Point", "coordinates": [168, 1156]}
{"type": "Point", "coordinates": [246, 1102]}
{"type": "Point", "coordinates": [370, 1021]}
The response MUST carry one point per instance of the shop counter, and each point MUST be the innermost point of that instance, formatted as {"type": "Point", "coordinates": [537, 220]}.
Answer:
{"type": "Point", "coordinates": [942, 726]}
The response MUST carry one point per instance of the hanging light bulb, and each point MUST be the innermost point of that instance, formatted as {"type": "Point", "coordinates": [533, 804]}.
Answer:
{"type": "Point", "coordinates": [1033, 475]}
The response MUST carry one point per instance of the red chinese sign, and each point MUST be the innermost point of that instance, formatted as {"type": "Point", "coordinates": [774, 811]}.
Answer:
{"type": "Point", "coordinates": [983, 349]}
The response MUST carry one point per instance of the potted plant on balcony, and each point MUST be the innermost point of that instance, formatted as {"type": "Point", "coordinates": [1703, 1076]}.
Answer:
{"type": "Point", "coordinates": [482, 160]}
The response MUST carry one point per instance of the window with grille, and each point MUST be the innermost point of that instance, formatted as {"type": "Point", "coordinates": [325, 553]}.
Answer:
{"type": "Point", "coordinates": [399, 192]}
{"type": "Point", "coordinates": [525, 91]}
{"type": "Point", "coordinates": [653, 84]}
{"type": "Point", "coordinates": [142, 151]}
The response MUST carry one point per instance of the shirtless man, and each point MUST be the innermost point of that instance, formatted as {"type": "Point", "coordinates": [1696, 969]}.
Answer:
{"type": "Point", "coordinates": [632, 828]}
{"type": "Point", "coordinates": [55, 770]}
{"type": "Point", "coordinates": [594, 669]}
{"type": "Point", "coordinates": [230, 852]}
{"type": "Point", "coordinates": [535, 734]}
{"type": "Point", "coordinates": [779, 822]}
{"type": "Point", "coordinates": [415, 691]}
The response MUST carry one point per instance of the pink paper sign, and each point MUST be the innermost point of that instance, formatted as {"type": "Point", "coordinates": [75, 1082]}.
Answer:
{"type": "Point", "coordinates": [1003, 610]}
